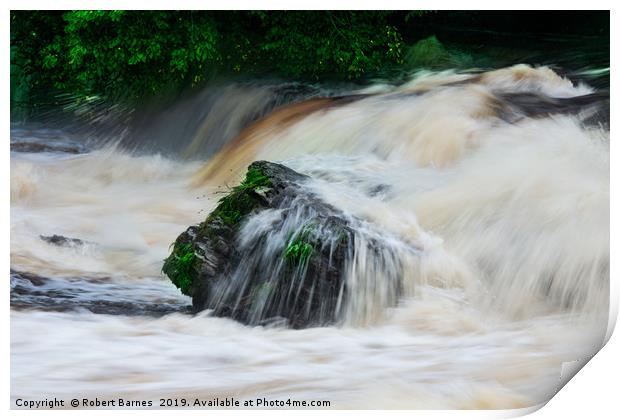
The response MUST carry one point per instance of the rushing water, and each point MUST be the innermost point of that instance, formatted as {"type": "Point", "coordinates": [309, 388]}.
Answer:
{"type": "Point", "coordinates": [490, 191]}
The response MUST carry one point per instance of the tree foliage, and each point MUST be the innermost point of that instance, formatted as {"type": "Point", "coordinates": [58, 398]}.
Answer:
{"type": "Point", "coordinates": [115, 52]}
{"type": "Point", "coordinates": [140, 52]}
{"type": "Point", "coordinates": [345, 44]}
{"type": "Point", "coordinates": [130, 54]}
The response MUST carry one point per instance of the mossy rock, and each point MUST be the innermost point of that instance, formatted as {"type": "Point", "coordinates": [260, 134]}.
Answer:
{"type": "Point", "coordinates": [431, 53]}
{"type": "Point", "coordinates": [290, 270]}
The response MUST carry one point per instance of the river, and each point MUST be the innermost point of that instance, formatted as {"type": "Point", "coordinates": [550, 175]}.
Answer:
{"type": "Point", "coordinates": [505, 202]}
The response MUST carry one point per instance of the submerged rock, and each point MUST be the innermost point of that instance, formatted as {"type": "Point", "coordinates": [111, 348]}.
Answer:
{"type": "Point", "coordinates": [98, 295]}
{"type": "Point", "coordinates": [30, 147]}
{"type": "Point", "coordinates": [60, 240]}
{"type": "Point", "coordinates": [271, 252]}
{"type": "Point", "coordinates": [591, 109]}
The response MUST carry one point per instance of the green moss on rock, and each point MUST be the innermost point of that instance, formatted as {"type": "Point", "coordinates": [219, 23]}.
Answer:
{"type": "Point", "coordinates": [179, 267]}
{"type": "Point", "coordinates": [427, 52]}
{"type": "Point", "coordinates": [431, 53]}
{"type": "Point", "coordinates": [300, 247]}
{"type": "Point", "coordinates": [241, 200]}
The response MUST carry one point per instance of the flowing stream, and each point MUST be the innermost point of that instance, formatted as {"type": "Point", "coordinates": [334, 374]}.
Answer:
{"type": "Point", "coordinates": [491, 191]}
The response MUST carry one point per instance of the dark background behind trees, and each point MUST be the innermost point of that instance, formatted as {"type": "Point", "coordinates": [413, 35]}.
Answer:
{"type": "Point", "coordinates": [129, 55]}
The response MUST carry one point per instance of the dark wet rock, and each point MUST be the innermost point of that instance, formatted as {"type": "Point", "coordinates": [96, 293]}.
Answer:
{"type": "Point", "coordinates": [288, 268]}
{"type": "Point", "coordinates": [592, 109]}
{"type": "Point", "coordinates": [29, 147]}
{"type": "Point", "coordinates": [379, 190]}
{"type": "Point", "coordinates": [98, 295]}
{"type": "Point", "coordinates": [31, 278]}
{"type": "Point", "coordinates": [60, 240]}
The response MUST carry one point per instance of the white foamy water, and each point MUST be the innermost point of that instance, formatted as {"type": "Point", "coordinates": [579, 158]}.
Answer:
{"type": "Point", "coordinates": [509, 279]}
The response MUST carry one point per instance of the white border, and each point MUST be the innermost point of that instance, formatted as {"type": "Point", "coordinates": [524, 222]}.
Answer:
{"type": "Point", "coordinates": [591, 393]}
